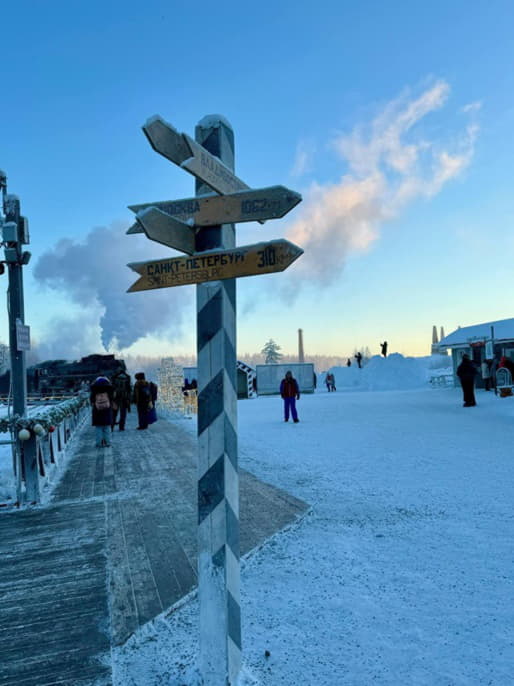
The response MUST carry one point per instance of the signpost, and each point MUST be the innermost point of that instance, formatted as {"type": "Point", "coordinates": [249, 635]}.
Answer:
{"type": "Point", "coordinates": [214, 265]}
{"type": "Point", "coordinates": [245, 206]}
{"type": "Point", "coordinates": [203, 228]}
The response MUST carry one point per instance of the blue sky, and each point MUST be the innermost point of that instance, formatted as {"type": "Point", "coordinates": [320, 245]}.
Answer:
{"type": "Point", "coordinates": [394, 120]}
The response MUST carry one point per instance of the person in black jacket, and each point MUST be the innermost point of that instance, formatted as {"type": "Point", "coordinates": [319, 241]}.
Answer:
{"type": "Point", "coordinates": [466, 372]}
{"type": "Point", "coordinates": [122, 397]}
{"type": "Point", "coordinates": [101, 400]}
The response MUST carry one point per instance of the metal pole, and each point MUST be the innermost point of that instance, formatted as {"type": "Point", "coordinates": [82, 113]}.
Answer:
{"type": "Point", "coordinates": [16, 312]}
{"type": "Point", "coordinates": [218, 477]}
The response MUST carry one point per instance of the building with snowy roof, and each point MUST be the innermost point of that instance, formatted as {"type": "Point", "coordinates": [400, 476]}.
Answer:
{"type": "Point", "coordinates": [487, 341]}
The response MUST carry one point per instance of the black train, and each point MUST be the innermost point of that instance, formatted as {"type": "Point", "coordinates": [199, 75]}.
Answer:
{"type": "Point", "coordinates": [62, 377]}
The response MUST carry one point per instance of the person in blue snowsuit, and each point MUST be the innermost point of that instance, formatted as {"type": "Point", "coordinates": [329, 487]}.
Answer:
{"type": "Point", "coordinates": [291, 393]}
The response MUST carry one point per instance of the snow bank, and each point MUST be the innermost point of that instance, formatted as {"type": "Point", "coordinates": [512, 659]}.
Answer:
{"type": "Point", "coordinates": [392, 373]}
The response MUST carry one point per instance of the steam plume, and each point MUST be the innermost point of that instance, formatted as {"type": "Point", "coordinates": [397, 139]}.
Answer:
{"type": "Point", "coordinates": [95, 275]}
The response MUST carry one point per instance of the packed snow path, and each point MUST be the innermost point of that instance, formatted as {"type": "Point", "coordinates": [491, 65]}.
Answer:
{"type": "Point", "coordinates": [403, 573]}
{"type": "Point", "coordinates": [115, 548]}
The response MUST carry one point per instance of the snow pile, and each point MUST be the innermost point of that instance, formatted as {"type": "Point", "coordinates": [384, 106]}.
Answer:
{"type": "Point", "coordinates": [392, 373]}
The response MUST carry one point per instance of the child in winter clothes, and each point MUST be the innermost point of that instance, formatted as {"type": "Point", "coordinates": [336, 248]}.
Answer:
{"type": "Point", "coordinates": [101, 401]}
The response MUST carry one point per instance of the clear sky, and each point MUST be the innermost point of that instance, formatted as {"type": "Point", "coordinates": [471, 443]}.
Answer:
{"type": "Point", "coordinates": [394, 120]}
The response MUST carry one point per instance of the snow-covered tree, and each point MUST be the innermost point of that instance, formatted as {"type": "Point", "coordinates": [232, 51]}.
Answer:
{"type": "Point", "coordinates": [270, 352]}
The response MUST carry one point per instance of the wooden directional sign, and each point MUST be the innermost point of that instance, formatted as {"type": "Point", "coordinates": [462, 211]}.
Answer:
{"type": "Point", "coordinates": [165, 229]}
{"type": "Point", "coordinates": [245, 206]}
{"type": "Point", "coordinates": [191, 156]}
{"type": "Point", "coordinates": [214, 265]}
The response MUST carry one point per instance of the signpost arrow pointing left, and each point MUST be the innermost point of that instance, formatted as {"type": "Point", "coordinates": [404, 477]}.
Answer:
{"type": "Point", "coordinates": [191, 156]}
{"type": "Point", "coordinates": [165, 229]}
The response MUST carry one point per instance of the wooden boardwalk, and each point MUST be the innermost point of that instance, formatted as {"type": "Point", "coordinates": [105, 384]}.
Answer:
{"type": "Point", "coordinates": [115, 548]}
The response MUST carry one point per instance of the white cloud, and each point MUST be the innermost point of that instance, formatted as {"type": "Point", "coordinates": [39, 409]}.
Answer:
{"type": "Point", "coordinates": [472, 107]}
{"type": "Point", "coordinates": [305, 151]}
{"type": "Point", "coordinates": [389, 165]}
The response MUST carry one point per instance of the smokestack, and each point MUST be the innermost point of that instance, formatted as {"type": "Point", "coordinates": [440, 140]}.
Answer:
{"type": "Point", "coordinates": [301, 356]}
{"type": "Point", "coordinates": [442, 333]}
{"type": "Point", "coordinates": [435, 347]}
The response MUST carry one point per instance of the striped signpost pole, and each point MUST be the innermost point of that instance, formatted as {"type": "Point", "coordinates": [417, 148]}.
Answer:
{"type": "Point", "coordinates": [196, 226]}
{"type": "Point", "coordinates": [218, 479]}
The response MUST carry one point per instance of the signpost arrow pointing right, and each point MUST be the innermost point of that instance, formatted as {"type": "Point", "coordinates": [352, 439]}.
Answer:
{"type": "Point", "coordinates": [244, 206]}
{"type": "Point", "coordinates": [165, 229]}
{"type": "Point", "coordinates": [215, 265]}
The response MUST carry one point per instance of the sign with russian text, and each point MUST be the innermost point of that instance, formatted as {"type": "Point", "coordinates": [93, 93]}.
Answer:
{"type": "Point", "coordinates": [215, 265]}
{"type": "Point", "coordinates": [259, 204]}
{"type": "Point", "coordinates": [191, 156]}
{"type": "Point", "coordinates": [22, 336]}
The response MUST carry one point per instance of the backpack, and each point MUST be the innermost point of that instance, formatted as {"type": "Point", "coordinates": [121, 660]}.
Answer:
{"type": "Point", "coordinates": [120, 388]}
{"type": "Point", "coordinates": [102, 401]}
{"type": "Point", "coordinates": [144, 395]}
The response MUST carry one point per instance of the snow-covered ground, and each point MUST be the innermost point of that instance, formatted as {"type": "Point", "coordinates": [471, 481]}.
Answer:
{"type": "Point", "coordinates": [403, 571]}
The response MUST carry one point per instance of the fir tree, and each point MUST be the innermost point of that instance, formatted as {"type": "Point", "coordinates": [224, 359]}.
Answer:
{"type": "Point", "coordinates": [270, 352]}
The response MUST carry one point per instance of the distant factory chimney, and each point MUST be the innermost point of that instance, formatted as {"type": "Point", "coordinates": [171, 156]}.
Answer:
{"type": "Point", "coordinates": [301, 356]}
{"type": "Point", "coordinates": [442, 333]}
{"type": "Point", "coordinates": [435, 347]}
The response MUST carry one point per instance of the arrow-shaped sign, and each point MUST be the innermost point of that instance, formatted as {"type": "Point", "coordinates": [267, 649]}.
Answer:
{"type": "Point", "coordinates": [245, 206]}
{"type": "Point", "coordinates": [191, 156]}
{"type": "Point", "coordinates": [165, 229]}
{"type": "Point", "coordinates": [213, 265]}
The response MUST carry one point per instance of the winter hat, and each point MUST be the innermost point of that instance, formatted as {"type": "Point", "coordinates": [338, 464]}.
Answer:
{"type": "Point", "coordinates": [140, 376]}
{"type": "Point", "coordinates": [102, 381]}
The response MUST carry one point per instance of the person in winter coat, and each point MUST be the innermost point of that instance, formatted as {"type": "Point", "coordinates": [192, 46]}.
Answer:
{"type": "Point", "coordinates": [358, 357]}
{"type": "Point", "coordinates": [348, 362]}
{"type": "Point", "coordinates": [493, 366]}
{"type": "Point", "coordinates": [122, 394]}
{"type": "Point", "coordinates": [291, 393]}
{"type": "Point", "coordinates": [101, 401]}
{"type": "Point", "coordinates": [142, 399]}
{"type": "Point", "coordinates": [384, 348]}
{"type": "Point", "coordinates": [466, 372]}
{"type": "Point", "coordinates": [508, 364]}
